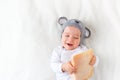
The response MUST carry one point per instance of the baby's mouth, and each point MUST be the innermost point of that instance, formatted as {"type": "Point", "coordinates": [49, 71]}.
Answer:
{"type": "Point", "coordinates": [69, 44]}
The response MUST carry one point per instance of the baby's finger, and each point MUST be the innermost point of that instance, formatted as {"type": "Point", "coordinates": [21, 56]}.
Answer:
{"type": "Point", "coordinates": [94, 58]}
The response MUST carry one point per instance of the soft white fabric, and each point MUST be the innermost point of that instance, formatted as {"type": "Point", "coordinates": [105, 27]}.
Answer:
{"type": "Point", "coordinates": [29, 32]}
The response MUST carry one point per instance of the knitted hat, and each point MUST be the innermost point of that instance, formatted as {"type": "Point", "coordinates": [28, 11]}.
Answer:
{"type": "Point", "coordinates": [85, 32]}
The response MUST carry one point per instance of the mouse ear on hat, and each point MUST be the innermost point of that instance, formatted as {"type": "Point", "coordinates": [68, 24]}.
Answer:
{"type": "Point", "coordinates": [87, 33]}
{"type": "Point", "coordinates": [62, 20]}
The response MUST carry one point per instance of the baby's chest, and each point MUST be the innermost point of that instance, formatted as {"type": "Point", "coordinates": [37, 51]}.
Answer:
{"type": "Point", "coordinates": [66, 56]}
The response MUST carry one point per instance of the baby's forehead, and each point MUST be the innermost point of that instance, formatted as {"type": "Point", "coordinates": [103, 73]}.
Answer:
{"type": "Point", "coordinates": [72, 30]}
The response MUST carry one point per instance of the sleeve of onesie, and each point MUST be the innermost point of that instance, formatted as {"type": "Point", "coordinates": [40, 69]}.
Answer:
{"type": "Point", "coordinates": [56, 60]}
{"type": "Point", "coordinates": [97, 61]}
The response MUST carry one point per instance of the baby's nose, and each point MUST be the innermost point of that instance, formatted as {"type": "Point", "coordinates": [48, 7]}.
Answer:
{"type": "Point", "coordinates": [70, 39]}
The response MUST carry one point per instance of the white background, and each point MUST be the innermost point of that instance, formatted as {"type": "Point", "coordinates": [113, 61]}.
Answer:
{"type": "Point", "coordinates": [29, 32]}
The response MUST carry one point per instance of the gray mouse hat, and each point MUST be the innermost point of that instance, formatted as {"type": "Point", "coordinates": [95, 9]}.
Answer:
{"type": "Point", "coordinates": [85, 32]}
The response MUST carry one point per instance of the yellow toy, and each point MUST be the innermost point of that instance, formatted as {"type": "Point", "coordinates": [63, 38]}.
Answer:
{"type": "Point", "coordinates": [84, 69]}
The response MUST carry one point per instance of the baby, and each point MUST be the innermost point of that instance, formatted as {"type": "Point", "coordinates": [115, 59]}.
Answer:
{"type": "Point", "coordinates": [73, 36]}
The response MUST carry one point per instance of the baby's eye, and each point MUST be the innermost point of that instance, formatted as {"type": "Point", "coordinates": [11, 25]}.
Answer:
{"type": "Point", "coordinates": [76, 37]}
{"type": "Point", "coordinates": [66, 35]}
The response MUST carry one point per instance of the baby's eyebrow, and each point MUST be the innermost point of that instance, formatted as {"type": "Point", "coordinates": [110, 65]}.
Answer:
{"type": "Point", "coordinates": [76, 35]}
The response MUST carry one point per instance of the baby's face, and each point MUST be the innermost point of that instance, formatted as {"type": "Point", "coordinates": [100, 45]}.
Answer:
{"type": "Point", "coordinates": [71, 38]}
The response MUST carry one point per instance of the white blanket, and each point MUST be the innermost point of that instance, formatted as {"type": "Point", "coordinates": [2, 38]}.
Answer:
{"type": "Point", "coordinates": [29, 32]}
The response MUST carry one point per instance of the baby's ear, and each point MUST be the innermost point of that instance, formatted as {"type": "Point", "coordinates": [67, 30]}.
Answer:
{"type": "Point", "coordinates": [87, 33]}
{"type": "Point", "coordinates": [62, 20]}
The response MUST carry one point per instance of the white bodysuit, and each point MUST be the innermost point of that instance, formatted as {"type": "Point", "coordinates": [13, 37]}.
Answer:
{"type": "Point", "coordinates": [59, 56]}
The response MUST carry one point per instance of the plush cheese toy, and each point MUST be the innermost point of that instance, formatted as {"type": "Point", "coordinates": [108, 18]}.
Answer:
{"type": "Point", "coordinates": [84, 69]}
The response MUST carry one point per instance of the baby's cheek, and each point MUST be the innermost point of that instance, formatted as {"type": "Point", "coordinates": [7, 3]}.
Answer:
{"type": "Point", "coordinates": [77, 43]}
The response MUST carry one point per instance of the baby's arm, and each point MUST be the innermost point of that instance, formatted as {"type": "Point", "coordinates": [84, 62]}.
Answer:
{"type": "Point", "coordinates": [94, 61]}
{"type": "Point", "coordinates": [57, 65]}
{"type": "Point", "coordinates": [55, 61]}
{"type": "Point", "coordinates": [67, 67]}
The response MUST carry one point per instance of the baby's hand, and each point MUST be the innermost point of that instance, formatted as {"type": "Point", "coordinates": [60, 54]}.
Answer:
{"type": "Point", "coordinates": [68, 67]}
{"type": "Point", "coordinates": [93, 60]}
